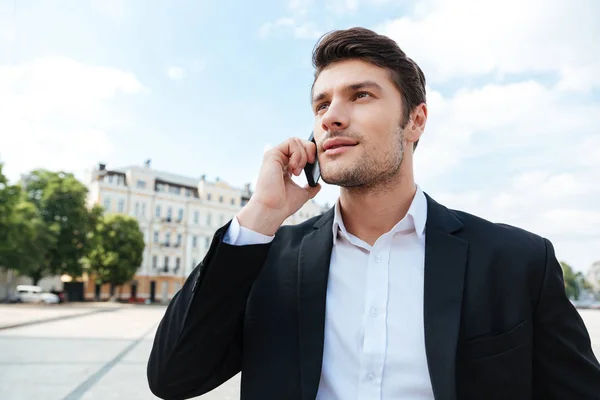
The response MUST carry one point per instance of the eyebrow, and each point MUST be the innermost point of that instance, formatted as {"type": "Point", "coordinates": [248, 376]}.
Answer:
{"type": "Point", "coordinates": [350, 88]}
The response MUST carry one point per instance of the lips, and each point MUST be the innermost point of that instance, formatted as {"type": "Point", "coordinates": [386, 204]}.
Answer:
{"type": "Point", "coordinates": [335, 143]}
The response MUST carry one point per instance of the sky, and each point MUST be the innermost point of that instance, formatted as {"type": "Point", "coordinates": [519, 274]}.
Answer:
{"type": "Point", "coordinates": [204, 87]}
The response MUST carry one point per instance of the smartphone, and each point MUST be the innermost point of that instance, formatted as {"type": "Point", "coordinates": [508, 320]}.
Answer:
{"type": "Point", "coordinates": [312, 171]}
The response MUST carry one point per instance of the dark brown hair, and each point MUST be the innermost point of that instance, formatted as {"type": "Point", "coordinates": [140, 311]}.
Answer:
{"type": "Point", "coordinates": [380, 50]}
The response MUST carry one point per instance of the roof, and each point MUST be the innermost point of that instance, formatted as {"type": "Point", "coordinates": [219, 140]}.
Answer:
{"type": "Point", "coordinates": [163, 175]}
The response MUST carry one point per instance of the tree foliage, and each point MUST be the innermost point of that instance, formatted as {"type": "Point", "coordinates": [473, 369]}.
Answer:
{"type": "Point", "coordinates": [25, 239]}
{"type": "Point", "coordinates": [60, 201]}
{"type": "Point", "coordinates": [116, 247]}
{"type": "Point", "coordinates": [575, 283]}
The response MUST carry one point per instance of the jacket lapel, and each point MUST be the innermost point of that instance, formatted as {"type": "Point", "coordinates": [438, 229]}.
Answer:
{"type": "Point", "coordinates": [445, 262]}
{"type": "Point", "coordinates": [313, 272]}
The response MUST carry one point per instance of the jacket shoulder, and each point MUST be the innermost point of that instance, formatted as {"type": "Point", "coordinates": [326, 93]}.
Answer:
{"type": "Point", "coordinates": [500, 236]}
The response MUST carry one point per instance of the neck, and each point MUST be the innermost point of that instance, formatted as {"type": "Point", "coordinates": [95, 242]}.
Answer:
{"type": "Point", "coordinates": [369, 212]}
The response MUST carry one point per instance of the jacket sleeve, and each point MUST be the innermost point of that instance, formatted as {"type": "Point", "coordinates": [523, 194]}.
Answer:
{"type": "Point", "coordinates": [564, 365]}
{"type": "Point", "coordinates": [198, 343]}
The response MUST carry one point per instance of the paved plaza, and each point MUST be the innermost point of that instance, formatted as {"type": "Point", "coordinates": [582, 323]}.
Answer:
{"type": "Point", "coordinates": [100, 353]}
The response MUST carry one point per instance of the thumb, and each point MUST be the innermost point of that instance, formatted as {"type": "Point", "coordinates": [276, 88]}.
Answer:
{"type": "Point", "coordinates": [312, 191]}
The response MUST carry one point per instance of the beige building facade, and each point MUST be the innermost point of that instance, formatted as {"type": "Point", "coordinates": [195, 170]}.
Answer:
{"type": "Point", "coordinates": [178, 216]}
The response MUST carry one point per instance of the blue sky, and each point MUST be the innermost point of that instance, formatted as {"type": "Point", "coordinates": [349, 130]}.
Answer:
{"type": "Point", "coordinates": [204, 87]}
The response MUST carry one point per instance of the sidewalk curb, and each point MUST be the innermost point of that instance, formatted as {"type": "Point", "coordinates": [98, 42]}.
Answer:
{"type": "Point", "coordinates": [59, 318]}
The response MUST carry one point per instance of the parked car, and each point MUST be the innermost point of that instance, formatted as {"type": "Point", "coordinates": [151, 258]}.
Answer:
{"type": "Point", "coordinates": [35, 294]}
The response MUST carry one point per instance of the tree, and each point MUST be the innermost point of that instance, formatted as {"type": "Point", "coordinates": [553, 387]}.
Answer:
{"type": "Point", "coordinates": [35, 241]}
{"type": "Point", "coordinates": [571, 281]}
{"type": "Point", "coordinates": [60, 201]}
{"type": "Point", "coordinates": [115, 250]}
{"type": "Point", "coordinates": [24, 237]}
{"type": "Point", "coordinates": [9, 198]}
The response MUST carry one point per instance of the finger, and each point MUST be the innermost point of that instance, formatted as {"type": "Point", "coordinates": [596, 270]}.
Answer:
{"type": "Point", "coordinates": [282, 154]}
{"type": "Point", "coordinates": [312, 191]}
{"type": "Point", "coordinates": [311, 150]}
{"type": "Point", "coordinates": [303, 156]}
{"type": "Point", "coordinates": [296, 155]}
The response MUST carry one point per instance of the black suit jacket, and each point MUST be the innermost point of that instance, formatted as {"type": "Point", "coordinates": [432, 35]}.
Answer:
{"type": "Point", "coordinates": [498, 324]}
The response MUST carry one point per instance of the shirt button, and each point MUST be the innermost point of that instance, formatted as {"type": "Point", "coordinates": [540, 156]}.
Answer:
{"type": "Point", "coordinates": [370, 376]}
{"type": "Point", "coordinates": [377, 259]}
{"type": "Point", "coordinates": [374, 312]}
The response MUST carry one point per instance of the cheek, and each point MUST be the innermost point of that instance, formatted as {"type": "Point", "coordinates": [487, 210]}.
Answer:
{"type": "Point", "coordinates": [375, 120]}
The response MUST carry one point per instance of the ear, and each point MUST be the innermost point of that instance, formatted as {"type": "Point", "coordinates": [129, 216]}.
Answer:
{"type": "Point", "coordinates": [416, 125]}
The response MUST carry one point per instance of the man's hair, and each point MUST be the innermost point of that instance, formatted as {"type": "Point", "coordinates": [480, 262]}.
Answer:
{"type": "Point", "coordinates": [380, 50]}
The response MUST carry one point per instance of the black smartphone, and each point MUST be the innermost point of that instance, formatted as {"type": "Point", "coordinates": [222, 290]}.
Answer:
{"type": "Point", "coordinates": [312, 171]}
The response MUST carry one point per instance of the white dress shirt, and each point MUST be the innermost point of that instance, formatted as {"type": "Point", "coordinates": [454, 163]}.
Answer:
{"type": "Point", "coordinates": [374, 333]}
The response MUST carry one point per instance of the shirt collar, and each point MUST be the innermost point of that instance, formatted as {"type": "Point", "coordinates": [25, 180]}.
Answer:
{"type": "Point", "coordinates": [415, 218]}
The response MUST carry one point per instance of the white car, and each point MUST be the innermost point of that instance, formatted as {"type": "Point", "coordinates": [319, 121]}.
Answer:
{"type": "Point", "coordinates": [34, 294]}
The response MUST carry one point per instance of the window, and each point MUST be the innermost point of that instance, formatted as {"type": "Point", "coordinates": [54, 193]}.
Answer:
{"type": "Point", "coordinates": [233, 202]}
{"type": "Point", "coordinates": [107, 204]}
{"type": "Point", "coordinates": [166, 262]}
{"type": "Point", "coordinates": [157, 213]}
{"type": "Point", "coordinates": [174, 189]}
{"type": "Point", "coordinates": [169, 212]}
{"type": "Point", "coordinates": [155, 236]}
{"type": "Point", "coordinates": [154, 261]}
{"type": "Point", "coordinates": [110, 179]}
{"type": "Point", "coordinates": [208, 196]}
{"type": "Point", "coordinates": [206, 242]}
{"type": "Point", "coordinates": [180, 214]}
{"type": "Point", "coordinates": [137, 208]}
{"type": "Point", "coordinates": [208, 219]}
{"type": "Point", "coordinates": [221, 219]}
{"type": "Point", "coordinates": [143, 209]}
{"type": "Point", "coordinates": [188, 192]}
{"type": "Point", "coordinates": [196, 217]}
{"type": "Point", "coordinates": [140, 184]}
{"type": "Point", "coordinates": [177, 262]}
{"type": "Point", "coordinates": [194, 263]}
{"type": "Point", "coordinates": [220, 199]}
{"type": "Point", "coordinates": [160, 187]}
{"type": "Point", "coordinates": [121, 206]}
{"type": "Point", "coordinates": [179, 238]}
{"type": "Point", "coordinates": [194, 241]}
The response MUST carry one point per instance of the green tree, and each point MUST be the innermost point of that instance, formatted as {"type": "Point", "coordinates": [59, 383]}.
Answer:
{"type": "Point", "coordinates": [24, 237]}
{"type": "Point", "coordinates": [60, 201]}
{"type": "Point", "coordinates": [10, 195]}
{"type": "Point", "coordinates": [115, 250]}
{"type": "Point", "coordinates": [35, 241]}
{"type": "Point", "coordinates": [571, 281]}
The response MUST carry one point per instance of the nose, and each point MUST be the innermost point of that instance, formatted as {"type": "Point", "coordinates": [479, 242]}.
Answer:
{"type": "Point", "coordinates": [335, 118]}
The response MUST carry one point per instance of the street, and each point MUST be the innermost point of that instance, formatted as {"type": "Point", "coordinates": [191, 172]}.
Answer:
{"type": "Point", "coordinates": [98, 352]}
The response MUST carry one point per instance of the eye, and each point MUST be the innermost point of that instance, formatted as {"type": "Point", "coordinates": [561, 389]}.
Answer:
{"type": "Point", "coordinates": [361, 95]}
{"type": "Point", "coordinates": [320, 107]}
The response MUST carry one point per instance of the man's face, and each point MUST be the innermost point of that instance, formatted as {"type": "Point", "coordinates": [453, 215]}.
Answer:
{"type": "Point", "coordinates": [358, 118]}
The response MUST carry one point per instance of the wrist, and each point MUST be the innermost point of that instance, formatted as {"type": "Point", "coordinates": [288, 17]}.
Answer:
{"type": "Point", "coordinates": [259, 219]}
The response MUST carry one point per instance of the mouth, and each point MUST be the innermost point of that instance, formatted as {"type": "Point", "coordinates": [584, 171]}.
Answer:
{"type": "Point", "coordinates": [338, 145]}
{"type": "Point", "coordinates": [338, 149]}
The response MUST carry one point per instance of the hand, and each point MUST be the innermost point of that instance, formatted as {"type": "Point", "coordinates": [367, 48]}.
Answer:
{"type": "Point", "coordinates": [277, 196]}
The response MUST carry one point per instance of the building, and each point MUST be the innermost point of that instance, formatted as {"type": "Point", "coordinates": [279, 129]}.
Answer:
{"type": "Point", "coordinates": [593, 276]}
{"type": "Point", "coordinates": [178, 216]}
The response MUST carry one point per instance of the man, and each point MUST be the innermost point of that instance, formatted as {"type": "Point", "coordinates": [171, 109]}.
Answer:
{"type": "Point", "coordinates": [389, 295]}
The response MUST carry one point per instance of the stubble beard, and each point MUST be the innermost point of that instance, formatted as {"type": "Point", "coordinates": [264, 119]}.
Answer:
{"type": "Point", "coordinates": [374, 172]}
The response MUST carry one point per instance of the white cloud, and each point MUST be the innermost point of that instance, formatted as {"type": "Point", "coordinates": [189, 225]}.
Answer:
{"type": "Point", "coordinates": [463, 38]}
{"type": "Point", "coordinates": [56, 113]}
{"type": "Point", "coordinates": [305, 30]}
{"type": "Point", "coordinates": [341, 7]}
{"type": "Point", "coordinates": [300, 7]}
{"type": "Point", "coordinates": [176, 73]}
